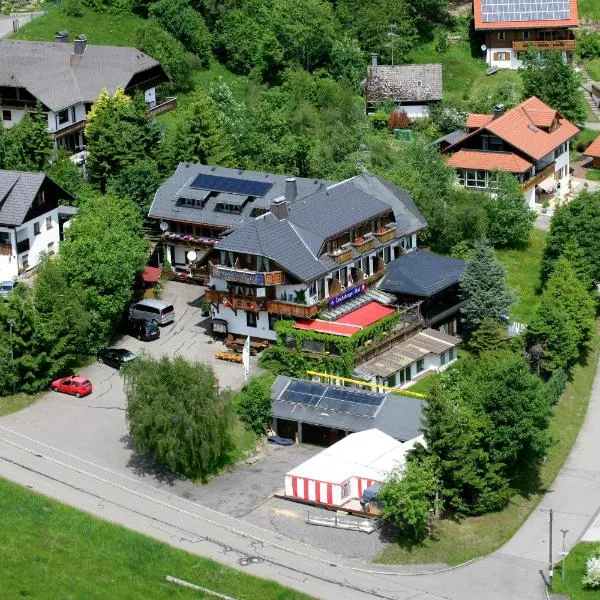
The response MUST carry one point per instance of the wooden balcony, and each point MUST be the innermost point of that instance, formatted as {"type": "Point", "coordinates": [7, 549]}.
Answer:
{"type": "Point", "coordinates": [247, 276]}
{"type": "Point", "coordinates": [74, 128]}
{"type": "Point", "coordinates": [163, 105]}
{"type": "Point", "coordinates": [5, 250]}
{"type": "Point", "coordinates": [189, 240]}
{"type": "Point", "coordinates": [341, 255]}
{"type": "Point", "coordinates": [538, 177]}
{"type": "Point", "coordinates": [387, 235]}
{"type": "Point", "coordinates": [234, 301]}
{"type": "Point", "coordinates": [290, 309]}
{"type": "Point", "coordinates": [564, 45]}
{"type": "Point", "coordinates": [365, 245]}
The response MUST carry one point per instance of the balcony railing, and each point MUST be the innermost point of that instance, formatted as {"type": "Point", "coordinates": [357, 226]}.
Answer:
{"type": "Point", "coordinates": [341, 255]}
{"type": "Point", "coordinates": [5, 250]}
{"type": "Point", "coordinates": [188, 239]}
{"type": "Point", "coordinates": [70, 129]}
{"type": "Point", "coordinates": [290, 309]}
{"type": "Point", "coordinates": [163, 105]}
{"type": "Point", "coordinates": [386, 235]}
{"type": "Point", "coordinates": [237, 302]}
{"type": "Point", "coordinates": [565, 45]}
{"type": "Point", "coordinates": [538, 178]}
{"type": "Point", "coordinates": [363, 245]}
{"type": "Point", "coordinates": [247, 276]}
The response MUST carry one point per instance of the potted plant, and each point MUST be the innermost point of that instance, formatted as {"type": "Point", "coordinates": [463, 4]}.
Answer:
{"type": "Point", "coordinates": [359, 240]}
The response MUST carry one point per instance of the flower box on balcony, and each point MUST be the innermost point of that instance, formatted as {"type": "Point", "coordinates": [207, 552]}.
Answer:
{"type": "Point", "coordinates": [386, 234]}
{"type": "Point", "coordinates": [364, 244]}
{"type": "Point", "coordinates": [341, 255]}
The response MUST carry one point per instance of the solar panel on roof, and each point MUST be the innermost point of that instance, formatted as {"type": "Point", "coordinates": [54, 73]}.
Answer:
{"type": "Point", "coordinates": [231, 185]}
{"type": "Point", "coordinates": [493, 11]}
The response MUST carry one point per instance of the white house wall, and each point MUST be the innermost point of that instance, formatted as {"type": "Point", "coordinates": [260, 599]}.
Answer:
{"type": "Point", "coordinates": [237, 323]}
{"type": "Point", "coordinates": [39, 243]}
{"type": "Point", "coordinates": [418, 111]}
{"type": "Point", "coordinates": [15, 116]}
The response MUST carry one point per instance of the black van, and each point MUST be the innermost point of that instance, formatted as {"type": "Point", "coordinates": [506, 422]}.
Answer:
{"type": "Point", "coordinates": [143, 329]}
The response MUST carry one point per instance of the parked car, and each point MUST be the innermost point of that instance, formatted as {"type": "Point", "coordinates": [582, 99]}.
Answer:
{"type": "Point", "coordinates": [75, 385]}
{"type": "Point", "coordinates": [183, 272]}
{"type": "Point", "coordinates": [6, 287]}
{"type": "Point", "coordinates": [116, 357]}
{"type": "Point", "coordinates": [143, 330]}
{"type": "Point", "coordinates": [157, 311]}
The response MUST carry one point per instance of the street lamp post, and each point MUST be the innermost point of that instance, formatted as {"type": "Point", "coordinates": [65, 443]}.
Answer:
{"type": "Point", "coordinates": [564, 553]}
{"type": "Point", "coordinates": [11, 324]}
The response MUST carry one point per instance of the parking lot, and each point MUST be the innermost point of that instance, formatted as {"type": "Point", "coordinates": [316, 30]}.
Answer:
{"type": "Point", "coordinates": [94, 429]}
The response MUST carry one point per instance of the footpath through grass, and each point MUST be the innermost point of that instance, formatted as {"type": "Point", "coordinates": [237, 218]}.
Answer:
{"type": "Point", "coordinates": [469, 538]}
{"type": "Point", "coordinates": [50, 550]}
{"type": "Point", "coordinates": [103, 29]}
{"type": "Point", "coordinates": [569, 582]}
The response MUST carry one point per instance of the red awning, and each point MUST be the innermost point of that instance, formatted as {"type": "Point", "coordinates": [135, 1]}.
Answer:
{"type": "Point", "coordinates": [327, 327]}
{"type": "Point", "coordinates": [151, 274]}
{"type": "Point", "coordinates": [366, 315]}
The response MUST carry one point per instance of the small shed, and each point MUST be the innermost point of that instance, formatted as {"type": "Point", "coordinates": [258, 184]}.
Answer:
{"type": "Point", "coordinates": [340, 473]}
{"type": "Point", "coordinates": [593, 151]}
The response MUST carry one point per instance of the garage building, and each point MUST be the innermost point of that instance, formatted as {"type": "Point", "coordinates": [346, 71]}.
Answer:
{"type": "Point", "coordinates": [338, 475]}
{"type": "Point", "coordinates": [317, 413]}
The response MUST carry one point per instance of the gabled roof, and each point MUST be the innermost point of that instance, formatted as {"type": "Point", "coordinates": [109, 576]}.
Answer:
{"type": "Point", "coordinates": [593, 149]}
{"type": "Point", "coordinates": [46, 71]}
{"type": "Point", "coordinates": [524, 14]}
{"type": "Point", "coordinates": [17, 193]}
{"type": "Point", "coordinates": [404, 83]}
{"type": "Point", "coordinates": [521, 128]}
{"type": "Point", "coordinates": [165, 204]}
{"type": "Point", "coordinates": [477, 120]}
{"type": "Point", "coordinates": [295, 242]}
{"type": "Point", "coordinates": [421, 274]}
{"type": "Point", "coordinates": [487, 160]}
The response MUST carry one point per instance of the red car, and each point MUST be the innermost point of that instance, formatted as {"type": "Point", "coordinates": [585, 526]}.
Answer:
{"type": "Point", "coordinates": [76, 385]}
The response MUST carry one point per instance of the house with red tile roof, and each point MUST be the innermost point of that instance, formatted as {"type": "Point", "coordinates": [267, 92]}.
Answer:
{"type": "Point", "coordinates": [510, 27]}
{"type": "Point", "coordinates": [593, 151]}
{"type": "Point", "coordinates": [531, 141]}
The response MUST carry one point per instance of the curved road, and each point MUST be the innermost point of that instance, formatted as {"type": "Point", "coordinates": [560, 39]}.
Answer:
{"type": "Point", "coordinates": [72, 450]}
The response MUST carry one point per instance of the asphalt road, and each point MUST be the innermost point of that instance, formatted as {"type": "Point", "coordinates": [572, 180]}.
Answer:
{"type": "Point", "coordinates": [77, 451]}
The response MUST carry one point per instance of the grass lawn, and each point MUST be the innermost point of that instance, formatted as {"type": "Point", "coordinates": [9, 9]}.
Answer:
{"type": "Point", "coordinates": [423, 385]}
{"type": "Point", "coordinates": [460, 69]}
{"type": "Point", "coordinates": [590, 9]}
{"type": "Point", "coordinates": [477, 536]}
{"type": "Point", "coordinates": [593, 68]}
{"type": "Point", "coordinates": [50, 550]}
{"type": "Point", "coordinates": [523, 268]}
{"type": "Point", "coordinates": [11, 404]}
{"type": "Point", "coordinates": [105, 29]}
{"type": "Point", "coordinates": [575, 570]}
{"type": "Point", "coordinates": [593, 174]}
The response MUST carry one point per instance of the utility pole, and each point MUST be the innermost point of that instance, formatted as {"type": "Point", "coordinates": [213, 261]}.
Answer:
{"type": "Point", "coordinates": [392, 34]}
{"type": "Point", "coordinates": [563, 554]}
{"type": "Point", "coordinates": [550, 573]}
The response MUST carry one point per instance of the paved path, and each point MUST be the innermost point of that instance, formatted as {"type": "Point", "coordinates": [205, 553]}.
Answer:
{"type": "Point", "coordinates": [6, 23]}
{"type": "Point", "coordinates": [74, 450]}
{"type": "Point", "coordinates": [594, 126]}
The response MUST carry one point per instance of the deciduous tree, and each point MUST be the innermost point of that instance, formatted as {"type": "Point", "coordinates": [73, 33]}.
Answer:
{"type": "Point", "coordinates": [254, 405]}
{"type": "Point", "coordinates": [177, 413]}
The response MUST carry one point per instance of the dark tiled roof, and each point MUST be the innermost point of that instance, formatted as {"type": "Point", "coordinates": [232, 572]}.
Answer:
{"type": "Point", "coordinates": [421, 274]}
{"type": "Point", "coordinates": [295, 243]}
{"type": "Point", "coordinates": [404, 83]}
{"type": "Point", "coordinates": [164, 205]}
{"type": "Point", "coordinates": [399, 416]}
{"type": "Point", "coordinates": [17, 193]}
{"type": "Point", "coordinates": [45, 70]}
{"type": "Point", "coordinates": [450, 138]}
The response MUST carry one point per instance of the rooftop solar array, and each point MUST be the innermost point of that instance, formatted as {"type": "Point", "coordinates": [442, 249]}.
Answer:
{"type": "Point", "coordinates": [524, 10]}
{"type": "Point", "coordinates": [333, 398]}
{"type": "Point", "coordinates": [231, 185]}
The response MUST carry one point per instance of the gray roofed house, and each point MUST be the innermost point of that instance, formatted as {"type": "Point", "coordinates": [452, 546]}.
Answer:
{"type": "Point", "coordinates": [398, 416]}
{"type": "Point", "coordinates": [30, 220]}
{"type": "Point", "coordinates": [415, 86]}
{"type": "Point", "coordinates": [169, 201]}
{"type": "Point", "coordinates": [422, 274]}
{"type": "Point", "coordinates": [297, 242]}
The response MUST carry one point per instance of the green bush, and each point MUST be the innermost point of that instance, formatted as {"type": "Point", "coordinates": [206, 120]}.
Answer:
{"type": "Point", "coordinates": [184, 24]}
{"type": "Point", "coordinates": [588, 45]}
{"type": "Point", "coordinates": [254, 405]}
{"type": "Point", "coordinates": [556, 384]}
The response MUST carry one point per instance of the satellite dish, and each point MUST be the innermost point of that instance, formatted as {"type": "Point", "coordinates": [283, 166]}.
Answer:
{"type": "Point", "coordinates": [164, 226]}
{"type": "Point", "coordinates": [191, 255]}
{"type": "Point", "coordinates": [483, 47]}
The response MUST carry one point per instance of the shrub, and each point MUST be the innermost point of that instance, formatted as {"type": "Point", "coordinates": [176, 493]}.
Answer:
{"type": "Point", "coordinates": [399, 120]}
{"type": "Point", "coordinates": [556, 384]}
{"type": "Point", "coordinates": [379, 119]}
{"type": "Point", "coordinates": [591, 579]}
{"type": "Point", "coordinates": [254, 405]}
{"type": "Point", "coordinates": [72, 8]}
{"type": "Point", "coordinates": [588, 45]}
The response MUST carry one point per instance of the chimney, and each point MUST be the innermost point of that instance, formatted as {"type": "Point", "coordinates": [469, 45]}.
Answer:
{"type": "Point", "coordinates": [80, 44]}
{"type": "Point", "coordinates": [61, 37]}
{"type": "Point", "coordinates": [279, 208]}
{"type": "Point", "coordinates": [291, 189]}
{"type": "Point", "coordinates": [498, 110]}
{"type": "Point", "coordinates": [374, 58]}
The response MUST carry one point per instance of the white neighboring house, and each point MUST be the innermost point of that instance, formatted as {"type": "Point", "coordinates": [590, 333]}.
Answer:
{"type": "Point", "coordinates": [30, 220]}
{"type": "Point", "coordinates": [414, 88]}
{"type": "Point", "coordinates": [66, 79]}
